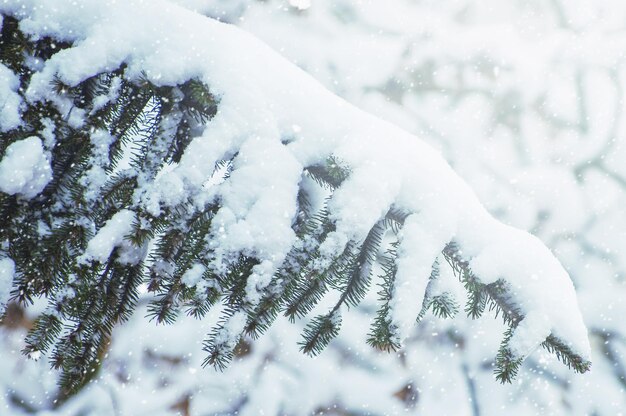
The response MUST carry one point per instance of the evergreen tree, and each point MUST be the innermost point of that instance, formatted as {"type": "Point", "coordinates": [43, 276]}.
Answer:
{"type": "Point", "coordinates": [86, 235]}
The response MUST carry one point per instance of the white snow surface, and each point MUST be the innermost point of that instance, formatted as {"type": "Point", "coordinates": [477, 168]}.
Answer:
{"type": "Point", "coordinates": [25, 168]}
{"type": "Point", "coordinates": [193, 276]}
{"type": "Point", "coordinates": [110, 236]}
{"type": "Point", "coordinates": [10, 100]}
{"type": "Point", "coordinates": [262, 97]}
{"type": "Point", "coordinates": [7, 270]}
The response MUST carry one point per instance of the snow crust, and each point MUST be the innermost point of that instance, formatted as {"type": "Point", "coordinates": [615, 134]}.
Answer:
{"type": "Point", "coordinates": [262, 97]}
{"type": "Point", "coordinates": [25, 168]}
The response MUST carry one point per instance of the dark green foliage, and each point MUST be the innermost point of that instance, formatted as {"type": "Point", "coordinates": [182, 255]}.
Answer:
{"type": "Point", "coordinates": [44, 333]}
{"type": "Point", "coordinates": [443, 306]}
{"type": "Point", "coordinates": [507, 365]}
{"type": "Point", "coordinates": [350, 275]}
{"type": "Point", "coordinates": [221, 344]}
{"type": "Point", "coordinates": [219, 349]}
{"type": "Point", "coordinates": [565, 354]}
{"type": "Point", "coordinates": [355, 281]}
{"type": "Point", "coordinates": [319, 332]}
{"type": "Point", "coordinates": [382, 332]}
{"type": "Point", "coordinates": [47, 235]}
{"type": "Point", "coordinates": [285, 283]}
{"type": "Point", "coordinates": [197, 101]}
{"type": "Point", "coordinates": [330, 175]}
{"type": "Point", "coordinates": [315, 283]}
{"type": "Point", "coordinates": [179, 251]}
{"type": "Point", "coordinates": [13, 43]}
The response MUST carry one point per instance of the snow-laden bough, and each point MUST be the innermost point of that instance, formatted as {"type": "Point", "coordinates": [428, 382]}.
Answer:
{"type": "Point", "coordinates": [251, 184]}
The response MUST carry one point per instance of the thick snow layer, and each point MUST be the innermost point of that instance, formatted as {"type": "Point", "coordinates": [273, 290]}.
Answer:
{"type": "Point", "coordinates": [262, 97]}
{"type": "Point", "coordinates": [109, 237]}
{"type": "Point", "coordinates": [7, 270]}
{"type": "Point", "coordinates": [25, 169]}
{"type": "Point", "coordinates": [420, 244]}
{"type": "Point", "coordinates": [193, 276]}
{"type": "Point", "coordinates": [9, 100]}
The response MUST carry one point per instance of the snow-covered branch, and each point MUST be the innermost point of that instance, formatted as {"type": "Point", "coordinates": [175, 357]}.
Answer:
{"type": "Point", "coordinates": [227, 142]}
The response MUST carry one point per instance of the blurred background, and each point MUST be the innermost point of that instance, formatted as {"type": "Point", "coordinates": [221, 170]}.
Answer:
{"type": "Point", "coordinates": [525, 99]}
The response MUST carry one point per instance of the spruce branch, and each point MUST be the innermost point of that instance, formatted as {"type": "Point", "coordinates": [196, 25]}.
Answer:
{"type": "Point", "coordinates": [498, 297]}
{"type": "Point", "coordinates": [319, 332]}
{"type": "Point", "coordinates": [382, 331]}
{"type": "Point", "coordinates": [150, 127]}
